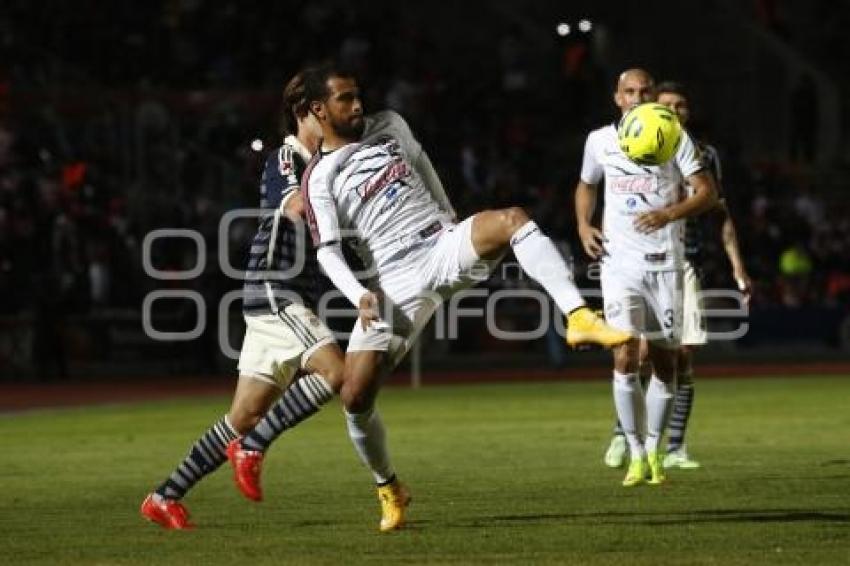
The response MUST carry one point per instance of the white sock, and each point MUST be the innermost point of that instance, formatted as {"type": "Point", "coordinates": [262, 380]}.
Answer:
{"type": "Point", "coordinates": [628, 400]}
{"type": "Point", "coordinates": [659, 403]}
{"type": "Point", "coordinates": [541, 260]}
{"type": "Point", "coordinates": [369, 437]}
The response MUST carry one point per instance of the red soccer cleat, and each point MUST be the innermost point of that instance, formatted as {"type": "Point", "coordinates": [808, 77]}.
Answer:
{"type": "Point", "coordinates": [168, 513]}
{"type": "Point", "coordinates": [247, 465]}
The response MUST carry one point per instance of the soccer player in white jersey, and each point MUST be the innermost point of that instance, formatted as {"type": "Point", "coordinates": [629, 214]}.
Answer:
{"type": "Point", "coordinates": [640, 249]}
{"type": "Point", "coordinates": [694, 334]}
{"type": "Point", "coordinates": [372, 181]}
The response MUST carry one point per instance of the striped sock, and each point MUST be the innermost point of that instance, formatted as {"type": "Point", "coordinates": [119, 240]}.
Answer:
{"type": "Point", "coordinates": [206, 455]}
{"type": "Point", "coordinates": [682, 404]}
{"type": "Point", "coordinates": [301, 400]}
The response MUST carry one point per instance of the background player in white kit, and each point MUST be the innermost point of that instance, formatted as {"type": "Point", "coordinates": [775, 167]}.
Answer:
{"type": "Point", "coordinates": [694, 334]}
{"type": "Point", "coordinates": [641, 266]}
{"type": "Point", "coordinates": [373, 182]}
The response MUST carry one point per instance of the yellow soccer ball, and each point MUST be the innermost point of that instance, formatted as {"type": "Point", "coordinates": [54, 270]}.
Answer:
{"type": "Point", "coordinates": [649, 134]}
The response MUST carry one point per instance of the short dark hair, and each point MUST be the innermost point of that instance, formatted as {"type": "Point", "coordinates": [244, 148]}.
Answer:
{"type": "Point", "coordinates": [294, 103]}
{"type": "Point", "coordinates": [672, 87]}
{"type": "Point", "coordinates": [316, 80]}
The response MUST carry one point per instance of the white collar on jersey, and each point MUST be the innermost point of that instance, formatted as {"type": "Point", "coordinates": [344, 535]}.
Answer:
{"type": "Point", "coordinates": [299, 147]}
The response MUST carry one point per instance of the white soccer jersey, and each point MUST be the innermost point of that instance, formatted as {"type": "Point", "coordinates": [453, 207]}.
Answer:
{"type": "Point", "coordinates": [631, 189]}
{"type": "Point", "coordinates": [377, 190]}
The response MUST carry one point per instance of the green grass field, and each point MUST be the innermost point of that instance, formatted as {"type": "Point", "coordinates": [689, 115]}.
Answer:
{"type": "Point", "coordinates": [500, 474]}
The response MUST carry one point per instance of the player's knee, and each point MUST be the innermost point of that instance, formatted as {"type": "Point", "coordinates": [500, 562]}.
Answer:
{"type": "Point", "coordinates": [243, 419]}
{"type": "Point", "coordinates": [334, 377]}
{"type": "Point", "coordinates": [664, 361]}
{"type": "Point", "coordinates": [356, 401]}
{"type": "Point", "coordinates": [684, 368]}
{"type": "Point", "coordinates": [513, 219]}
{"type": "Point", "coordinates": [627, 357]}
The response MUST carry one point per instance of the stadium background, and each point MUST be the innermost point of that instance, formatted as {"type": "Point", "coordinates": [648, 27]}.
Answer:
{"type": "Point", "coordinates": [119, 118]}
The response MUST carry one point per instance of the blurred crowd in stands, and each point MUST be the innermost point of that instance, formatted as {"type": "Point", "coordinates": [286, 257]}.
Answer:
{"type": "Point", "coordinates": [134, 116]}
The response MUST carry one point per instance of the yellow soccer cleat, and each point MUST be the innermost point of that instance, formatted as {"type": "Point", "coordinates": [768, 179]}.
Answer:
{"type": "Point", "coordinates": [394, 498]}
{"type": "Point", "coordinates": [636, 474]}
{"type": "Point", "coordinates": [656, 469]}
{"type": "Point", "coordinates": [586, 327]}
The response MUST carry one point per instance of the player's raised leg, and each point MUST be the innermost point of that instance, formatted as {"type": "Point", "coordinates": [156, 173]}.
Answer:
{"type": "Point", "coordinates": [494, 230]}
{"type": "Point", "coordinates": [299, 401]}
{"type": "Point", "coordinates": [250, 401]}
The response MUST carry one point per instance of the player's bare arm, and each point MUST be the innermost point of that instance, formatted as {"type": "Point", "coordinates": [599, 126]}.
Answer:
{"type": "Point", "coordinates": [729, 237]}
{"type": "Point", "coordinates": [591, 237]}
{"type": "Point", "coordinates": [703, 199]}
{"type": "Point", "coordinates": [293, 206]}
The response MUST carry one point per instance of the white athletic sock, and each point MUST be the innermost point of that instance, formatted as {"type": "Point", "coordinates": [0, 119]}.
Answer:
{"type": "Point", "coordinates": [369, 437]}
{"type": "Point", "coordinates": [541, 260]}
{"type": "Point", "coordinates": [659, 402]}
{"type": "Point", "coordinates": [628, 400]}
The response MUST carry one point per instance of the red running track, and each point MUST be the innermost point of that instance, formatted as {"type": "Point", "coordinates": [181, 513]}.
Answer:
{"type": "Point", "coordinates": [81, 392]}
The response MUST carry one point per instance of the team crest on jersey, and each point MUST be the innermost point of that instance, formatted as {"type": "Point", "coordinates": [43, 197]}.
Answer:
{"type": "Point", "coordinates": [393, 172]}
{"type": "Point", "coordinates": [285, 162]}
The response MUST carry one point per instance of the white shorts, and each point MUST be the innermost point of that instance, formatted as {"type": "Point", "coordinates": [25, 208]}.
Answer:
{"type": "Point", "coordinates": [278, 345]}
{"type": "Point", "coordinates": [694, 331]}
{"type": "Point", "coordinates": [644, 302]}
{"type": "Point", "coordinates": [415, 284]}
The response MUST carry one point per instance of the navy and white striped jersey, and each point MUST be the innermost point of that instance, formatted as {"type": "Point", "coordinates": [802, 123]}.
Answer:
{"type": "Point", "coordinates": [282, 266]}
{"type": "Point", "coordinates": [698, 227]}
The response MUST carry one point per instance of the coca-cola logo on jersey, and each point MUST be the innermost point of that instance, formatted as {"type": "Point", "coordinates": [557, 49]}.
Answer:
{"type": "Point", "coordinates": [390, 174]}
{"type": "Point", "coordinates": [633, 184]}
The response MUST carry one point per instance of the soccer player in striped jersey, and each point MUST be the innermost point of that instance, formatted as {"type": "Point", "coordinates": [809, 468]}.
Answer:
{"type": "Point", "coordinates": [288, 354]}
{"type": "Point", "coordinates": [694, 334]}
{"type": "Point", "coordinates": [373, 181]}
{"type": "Point", "coordinates": [640, 249]}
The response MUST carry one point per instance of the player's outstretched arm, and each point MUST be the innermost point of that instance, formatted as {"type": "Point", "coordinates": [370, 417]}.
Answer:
{"type": "Point", "coordinates": [591, 237]}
